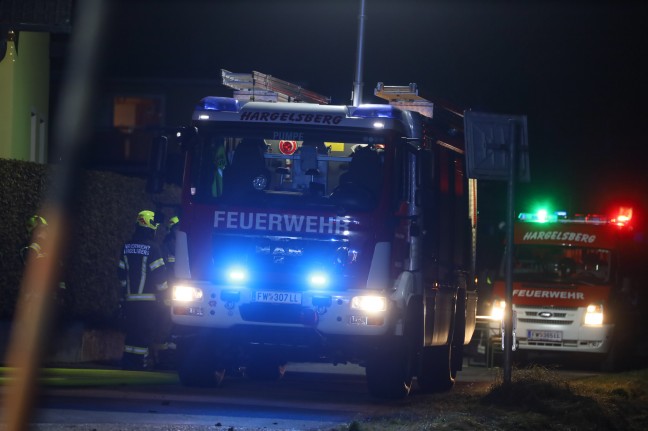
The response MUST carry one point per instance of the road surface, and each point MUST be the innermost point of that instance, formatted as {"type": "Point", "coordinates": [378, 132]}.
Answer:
{"type": "Point", "coordinates": [309, 397]}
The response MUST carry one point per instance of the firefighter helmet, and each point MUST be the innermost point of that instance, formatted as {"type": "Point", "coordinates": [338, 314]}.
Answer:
{"type": "Point", "coordinates": [35, 221]}
{"type": "Point", "coordinates": [146, 218]}
{"type": "Point", "coordinates": [173, 221]}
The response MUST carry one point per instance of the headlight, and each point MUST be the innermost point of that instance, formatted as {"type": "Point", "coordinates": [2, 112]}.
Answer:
{"type": "Point", "coordinates": [369, 303]}
{"type": "Point", "coordinates": [183, 293]}
{"type": "Point", "coordinates": [497, 310]}
{"type": "Point", "coordinates": [594, 314]}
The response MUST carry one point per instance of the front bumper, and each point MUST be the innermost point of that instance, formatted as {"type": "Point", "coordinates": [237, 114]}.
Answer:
{"type": "Point", "coordinates": [327, 312]}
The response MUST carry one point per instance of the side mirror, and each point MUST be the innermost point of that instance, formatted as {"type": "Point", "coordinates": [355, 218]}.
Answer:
{"type": "Point", "coordinates": [157, 165]}
{"type": "Point", "coordinates": [186, 137]}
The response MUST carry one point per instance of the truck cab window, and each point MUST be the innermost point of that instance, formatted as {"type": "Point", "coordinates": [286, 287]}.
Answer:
{"type": "Point", "coordinates": [295, 173]}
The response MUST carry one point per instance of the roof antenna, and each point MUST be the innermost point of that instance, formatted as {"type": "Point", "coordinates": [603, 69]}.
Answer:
{"type": "Point", "coordinates": [357, 84]}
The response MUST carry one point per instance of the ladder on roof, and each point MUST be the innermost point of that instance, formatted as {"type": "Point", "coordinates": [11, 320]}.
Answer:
{"type": "Point", "coordinates": [261, 87]}
{"type": "Point", "coordinates": [405, 97]}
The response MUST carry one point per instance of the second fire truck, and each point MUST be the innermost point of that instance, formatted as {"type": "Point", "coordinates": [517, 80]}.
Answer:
{"type": "Point", "coordinates": [575, 281]}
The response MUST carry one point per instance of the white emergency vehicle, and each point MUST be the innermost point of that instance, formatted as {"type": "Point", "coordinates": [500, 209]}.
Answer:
{"type": "Point", "coordinates": [574, 283]}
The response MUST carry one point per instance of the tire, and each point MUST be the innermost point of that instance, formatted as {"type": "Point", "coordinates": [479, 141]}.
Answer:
{"type": "Point", "coordinates": [389, 374]}
{"type": "Point", "coordinates": [456, 360]}
{"type": "Point", "coordinates": [616, 359]}
{"type": "Point", "coordinates": [199, 367]}
{"type": "Point", "coordinates": [265, 370]}
{"type": "Point", "coordinates": [622, 352]}
{"type": "Point", "coordinates": [200, 375]}
{"type": "Point", "coordinates": [458, 333]}
{"type": "Point", "coordinates": [436, 373]}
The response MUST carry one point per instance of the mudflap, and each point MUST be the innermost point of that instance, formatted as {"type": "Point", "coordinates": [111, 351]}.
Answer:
{"type": "Point", "coordinates": [435, 373]}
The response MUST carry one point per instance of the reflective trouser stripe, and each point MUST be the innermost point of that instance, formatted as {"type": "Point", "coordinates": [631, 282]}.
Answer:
{"type": "Point", "coordinates": [135, 350]}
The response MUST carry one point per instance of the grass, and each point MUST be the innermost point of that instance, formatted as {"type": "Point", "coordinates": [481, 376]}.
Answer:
{"type": "Point", "coordinates": [537, 398]}
{"type": "Point", "coordinates": [70, 377]}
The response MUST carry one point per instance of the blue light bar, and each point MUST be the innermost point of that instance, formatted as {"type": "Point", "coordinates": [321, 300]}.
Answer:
{"type": "Point", "coordinates": [376, 111]}
{"type": "Point", "coordinates": [213, 103]}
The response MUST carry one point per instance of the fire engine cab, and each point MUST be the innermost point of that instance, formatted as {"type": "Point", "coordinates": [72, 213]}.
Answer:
{"type": "Point", "coordinates": [320, 233]}
{"type": "Point", "coordinates": [573, 283]}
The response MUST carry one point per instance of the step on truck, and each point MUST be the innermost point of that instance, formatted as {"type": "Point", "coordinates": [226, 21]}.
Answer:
{"type": "Point", "coordinates": [326, 234]}
{"type": "Point", "coordinates": [575, 285]}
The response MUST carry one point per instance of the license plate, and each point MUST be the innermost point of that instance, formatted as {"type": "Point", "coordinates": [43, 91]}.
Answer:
{"type": "Point", "coordinates": [538, 335]}
{"type": "Point", "coordinates": [277, 297]}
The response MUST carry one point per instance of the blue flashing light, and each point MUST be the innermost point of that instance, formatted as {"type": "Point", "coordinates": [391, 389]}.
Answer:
{"type": "Point", "coordinates": [376, 111]}
{"type": "Point", "coordinates": [318, 279]}
{"type": "Point", "coordinates": [213, 103]}
{"type": "Point", "coordinates": [237, 274]}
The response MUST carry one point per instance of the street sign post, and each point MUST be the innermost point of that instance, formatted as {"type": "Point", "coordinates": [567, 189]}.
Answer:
{"type": "Point", "coordinates": [497, 149]}
{"type": "Point", "coordinates": [489, 139]}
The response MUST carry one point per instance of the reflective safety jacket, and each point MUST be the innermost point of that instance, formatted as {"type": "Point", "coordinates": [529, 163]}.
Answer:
{"type": "Point", "coordinates": [169, 250]}
{"type": "Point", "coordinates": [32, 249]}
{"type": "Point", "coordinates": [142, 272]}
{"type": "Point", "coordinates": [35, 251]}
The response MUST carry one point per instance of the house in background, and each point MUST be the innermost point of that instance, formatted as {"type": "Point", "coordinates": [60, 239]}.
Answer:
{"type": "Point", "coordinates": [25, 88]}
{"type": "Point", "coordinates": [129, 111]}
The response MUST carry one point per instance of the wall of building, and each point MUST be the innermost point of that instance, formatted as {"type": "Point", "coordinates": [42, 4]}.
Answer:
{"type": "Point", "coordinates": [24, 97]}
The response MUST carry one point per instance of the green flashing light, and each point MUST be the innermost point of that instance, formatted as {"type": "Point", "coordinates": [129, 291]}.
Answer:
{"type": "Point", "coordinates": [540, 216]}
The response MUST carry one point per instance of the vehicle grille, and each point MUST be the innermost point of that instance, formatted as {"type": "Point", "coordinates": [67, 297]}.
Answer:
{"type": "Point", "coordinates": [546, 321]}
{"type": "Point", "coordinates": [559, 315]}
{"type": "Point", "coordinates": [535, 314]}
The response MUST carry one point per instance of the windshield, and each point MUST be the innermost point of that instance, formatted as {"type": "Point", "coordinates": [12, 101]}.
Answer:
{"type": "Point", "coordinates": [561, 264]}
{"type": "Point", "coordinates": [319, 170]}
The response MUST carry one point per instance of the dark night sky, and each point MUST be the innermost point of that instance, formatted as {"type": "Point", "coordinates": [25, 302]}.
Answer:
{"type": "Point", "coordinates": [576, 69]}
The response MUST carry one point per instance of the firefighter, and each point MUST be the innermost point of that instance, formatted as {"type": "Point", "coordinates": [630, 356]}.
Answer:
{"type": "Point", "coordinates": [142, 273]}
{"type": "Point", "coordinates": [164, 352]}
{"type": "Point", "coordinates": [36, 249]}
{"type": "Point", "coordinates": [169, 244]}
{"type": "Point", "coordinates": [37, 232]}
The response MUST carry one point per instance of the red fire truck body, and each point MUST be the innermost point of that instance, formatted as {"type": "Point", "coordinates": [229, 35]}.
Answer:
{"type": "Point", "coordinates": [316, 233]}
{"type": "Point", "coordinates": [571, 282]}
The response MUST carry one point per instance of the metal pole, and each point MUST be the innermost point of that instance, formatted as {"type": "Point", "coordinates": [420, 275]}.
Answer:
{"type": "Point", "coordinates": [32, 322]}
{"type": "Point", "coordinates": [508, 314]}
{"type": "Point", "coordinates": [358, 84]}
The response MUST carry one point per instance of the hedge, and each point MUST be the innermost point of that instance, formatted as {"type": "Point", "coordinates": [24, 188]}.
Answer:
{"type": "Point", "coordinates": [102, 220]}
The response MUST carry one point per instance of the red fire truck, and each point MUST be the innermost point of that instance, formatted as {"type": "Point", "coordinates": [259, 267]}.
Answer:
{"type": "Point", "coordinates": [319, 233]}
{"type": "Point", "coordinates": [574, 283]}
